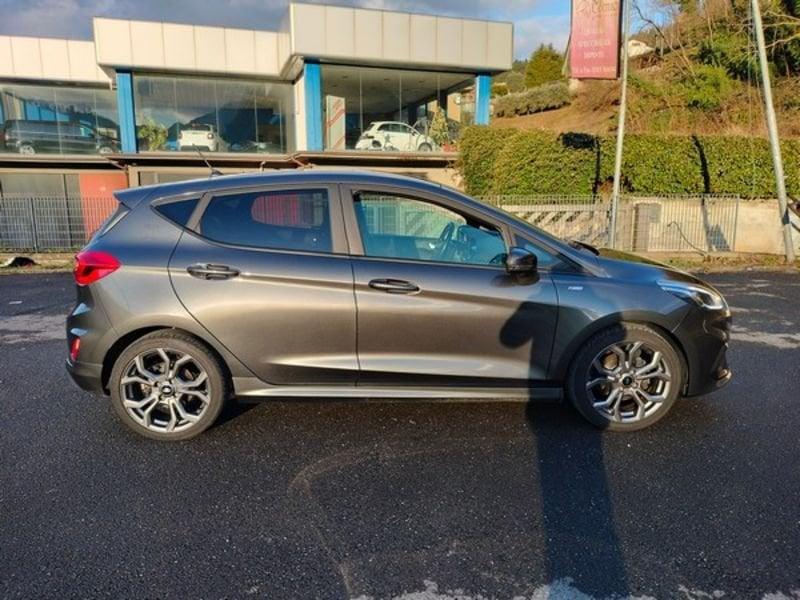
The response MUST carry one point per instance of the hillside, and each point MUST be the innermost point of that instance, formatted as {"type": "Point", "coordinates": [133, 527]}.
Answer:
{"type": "Point", "coordinates": [701, 77]}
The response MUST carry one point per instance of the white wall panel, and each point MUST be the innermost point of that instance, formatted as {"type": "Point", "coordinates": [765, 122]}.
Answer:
{"type": "Point", "coordinates": [339, 31]}
{"type": "Point", "coordinates": [147, 43]}
{"type": "Point", "coordinates": [369, 34]}
{"type": "Point", "coordinates": [423, 39]}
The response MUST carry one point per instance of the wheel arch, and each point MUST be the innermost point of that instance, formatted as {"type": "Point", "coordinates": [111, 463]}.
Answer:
{"type": "Point", "coordinates": [568, 355]}
{"type": "Point", "coordinates": [119, 346]}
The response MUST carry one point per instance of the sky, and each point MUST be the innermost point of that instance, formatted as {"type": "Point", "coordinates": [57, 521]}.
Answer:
{"type": "Point", "coordinates": [535, 21]}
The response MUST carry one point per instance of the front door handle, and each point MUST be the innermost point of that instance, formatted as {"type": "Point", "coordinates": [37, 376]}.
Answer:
{"type": "Point", "coordinates": [212, 272]}
{"type": "Point", "coordinates": [394, 286]}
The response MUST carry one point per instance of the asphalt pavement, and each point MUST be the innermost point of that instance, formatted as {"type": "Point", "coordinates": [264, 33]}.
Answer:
{"type": "Point", "coordinates": [417, 500]}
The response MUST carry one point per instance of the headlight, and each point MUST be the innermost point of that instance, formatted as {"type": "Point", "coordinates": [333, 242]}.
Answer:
{"type": "Point", "coordinates": [700, 295]}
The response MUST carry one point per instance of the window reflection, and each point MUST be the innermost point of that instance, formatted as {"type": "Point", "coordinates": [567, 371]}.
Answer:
{"type": "Point", "coordinates": [392, 110]}
{"type": "Point", "coordinates": [213, 115]}
{"type": "Point", "coordinates": [41, 119]}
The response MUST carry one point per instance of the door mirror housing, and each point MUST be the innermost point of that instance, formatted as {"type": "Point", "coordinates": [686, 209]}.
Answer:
{"type": "Point", "coordinates": [520, 261]}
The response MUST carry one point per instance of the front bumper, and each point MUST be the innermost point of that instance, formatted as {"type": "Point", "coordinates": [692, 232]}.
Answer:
{"type": "Point", "coordinates": [705, 337]}
{"type": "Point", "coordinates": [87, 376]}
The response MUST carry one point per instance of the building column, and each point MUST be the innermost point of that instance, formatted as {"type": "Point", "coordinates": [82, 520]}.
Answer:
{"type": "Point", "coordinates": [127, 119]}
{"type": "Point", "coordinates": [312, 83]}
{"type": "Point", "coordinates": [483, 93]}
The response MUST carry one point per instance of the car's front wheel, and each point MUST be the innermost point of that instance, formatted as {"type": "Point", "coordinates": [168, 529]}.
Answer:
{"type": "Point", "coordinates": [625, 378]}
{"type": "Point", "coordinates": [168, 386]}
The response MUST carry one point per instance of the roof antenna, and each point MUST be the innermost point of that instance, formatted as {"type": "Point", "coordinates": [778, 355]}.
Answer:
{"type": "Point", "coordinates": [214, 172]}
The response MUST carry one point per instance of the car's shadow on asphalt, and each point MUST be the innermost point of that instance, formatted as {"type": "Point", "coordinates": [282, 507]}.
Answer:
{"type": "Point", "coordinates": [580, 533]}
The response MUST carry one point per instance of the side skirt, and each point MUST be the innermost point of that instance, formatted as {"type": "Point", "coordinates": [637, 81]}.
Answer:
{"type": "Point", "coordinates": [253, 390]}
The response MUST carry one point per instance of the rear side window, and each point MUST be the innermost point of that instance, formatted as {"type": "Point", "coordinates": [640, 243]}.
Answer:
{"type": "Point", "coordinates": [178, 212]}
{"type": "Point", "coordinates": [285, 220]}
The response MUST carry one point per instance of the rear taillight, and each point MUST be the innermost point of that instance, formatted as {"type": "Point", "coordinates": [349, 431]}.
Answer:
{"type": "Point", "coordinates": [74, 348]}
{"type": "Point", "coordinates": [91, 265]}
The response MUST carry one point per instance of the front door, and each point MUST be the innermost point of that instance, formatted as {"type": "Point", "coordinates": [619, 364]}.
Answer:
{"type": "Point", "coordinates": [435, 303]}
{"type": "Point", "coordinates": [266, 272]}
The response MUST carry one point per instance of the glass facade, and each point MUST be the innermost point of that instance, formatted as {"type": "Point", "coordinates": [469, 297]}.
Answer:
{"type": "Point", "coordinates": [212, 114]}
{"type": "Point", "coordinates": [43, 119]}
{"type": "Point", "coordinates": [367, 108]}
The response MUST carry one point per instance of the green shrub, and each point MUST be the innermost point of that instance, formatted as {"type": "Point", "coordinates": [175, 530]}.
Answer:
{"type": "Point", "coordinates": [538, 99]}
{"type": "Point", "coordinates": [508, 161]}
{"type": "Point", "coordinates": [542, 162]}
{"type": "Point", "coordinates": [708, 88]}
{"type": "Point", "coordinates": [478, 147]}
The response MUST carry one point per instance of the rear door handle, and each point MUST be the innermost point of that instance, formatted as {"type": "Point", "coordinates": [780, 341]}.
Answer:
{"type": "Point", "coordinates": [212, 272]}
{"type": "Point", "coordinates": [394, 286]}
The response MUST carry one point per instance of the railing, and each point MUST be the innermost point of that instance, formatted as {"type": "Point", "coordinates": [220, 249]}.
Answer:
{"type": "Point", "coordinates": [50, 223]}
{"type": "Point", "coordinates": [700, 223]}
{"type": "Point", "coordinates": [644, 223]}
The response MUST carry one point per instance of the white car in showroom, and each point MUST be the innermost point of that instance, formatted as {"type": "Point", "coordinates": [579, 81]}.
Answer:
{"type": "Point", "coordinates": [394, 136]}
{"type": "Point", "coordinates": [200, 136]}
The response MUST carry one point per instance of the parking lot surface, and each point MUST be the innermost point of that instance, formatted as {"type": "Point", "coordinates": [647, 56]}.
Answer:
{"type": "Point", "coordinates": [418, 500]}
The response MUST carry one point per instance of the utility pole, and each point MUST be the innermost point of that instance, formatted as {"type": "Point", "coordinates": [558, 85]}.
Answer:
{"type": "Point", "coordinates": [623, 105]}
{"type": "Point", "coordinates": [772, 128]}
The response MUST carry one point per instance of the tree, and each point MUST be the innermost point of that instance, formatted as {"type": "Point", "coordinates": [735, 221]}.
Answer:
{"type": "Point", "coordinates": [544, 66]}
{"type": "Point", "coordinates": [439, 132]}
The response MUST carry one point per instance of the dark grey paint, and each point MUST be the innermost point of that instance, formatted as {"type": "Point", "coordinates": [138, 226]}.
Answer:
{"type": "Point", "coordinates": [332, 324]}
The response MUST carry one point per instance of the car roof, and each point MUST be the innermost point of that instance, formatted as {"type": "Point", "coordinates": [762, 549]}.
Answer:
{"type": "Point", "coordinates": [287, 177]}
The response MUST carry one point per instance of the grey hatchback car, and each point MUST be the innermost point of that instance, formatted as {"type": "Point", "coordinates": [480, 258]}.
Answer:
{"type": "Point", "coordinates": [344, 284]}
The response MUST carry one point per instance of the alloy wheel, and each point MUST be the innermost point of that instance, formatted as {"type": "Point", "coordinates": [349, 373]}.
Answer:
{"type": "Point", "coordinates": [628, 382]}
{"type": "Point", "coordinates": [165, 390]}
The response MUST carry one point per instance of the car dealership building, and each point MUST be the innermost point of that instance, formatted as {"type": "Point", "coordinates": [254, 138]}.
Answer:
{"type": "Point", "coordinates": [327, 86]}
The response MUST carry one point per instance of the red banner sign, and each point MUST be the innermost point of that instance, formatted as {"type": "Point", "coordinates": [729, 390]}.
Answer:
{"type": "Point", "coordinates": [594, 39]}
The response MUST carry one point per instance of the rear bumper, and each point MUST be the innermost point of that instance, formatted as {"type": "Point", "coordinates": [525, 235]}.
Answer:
{"type": "Point", "coordinates": [87, 376]}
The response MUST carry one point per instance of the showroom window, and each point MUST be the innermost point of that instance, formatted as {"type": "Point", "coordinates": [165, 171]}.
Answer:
{"type": "Point", "coordinates": [42, 119]}
{"type": "Point", "coordinates": [213, 115]}
{"type": "Point", "coordinates": [368, 108]}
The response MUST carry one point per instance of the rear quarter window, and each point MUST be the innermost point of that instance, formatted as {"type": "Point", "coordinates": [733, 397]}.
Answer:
{"type": "Point", "coordinates": [179, 212]}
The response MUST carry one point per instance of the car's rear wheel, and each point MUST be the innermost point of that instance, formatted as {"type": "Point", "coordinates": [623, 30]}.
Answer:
{"type": "Point", "coordinates": [425, 147]}
{"type": "Point", "coordinates": [625, 378]}
{"type": "Point", "coordinates": [27, 149]}
{"type": "Point", "coordinates": [168, 386]}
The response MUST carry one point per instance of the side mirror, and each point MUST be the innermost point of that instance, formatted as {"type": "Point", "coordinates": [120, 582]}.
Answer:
{"type": "Point", "coordinates": [520, 261]}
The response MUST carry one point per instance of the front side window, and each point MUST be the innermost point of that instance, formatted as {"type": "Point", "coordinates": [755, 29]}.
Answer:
{"type": "Point", "coordinates": [285, 220]}
{"type": "Point", "coordinates": [413, 229]}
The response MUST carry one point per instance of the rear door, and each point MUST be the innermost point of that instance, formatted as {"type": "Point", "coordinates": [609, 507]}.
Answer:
{"type": "Point", "coordinates": [266, 272]}
{"type": "Point", "coordinates": [435, 303]}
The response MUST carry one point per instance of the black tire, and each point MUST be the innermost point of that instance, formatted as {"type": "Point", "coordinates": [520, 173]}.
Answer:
{"type": "Point", "coordinates": [218, 389]}
{"type": "Point", "coordinates": [580, 369]}
{"type": "Point", "coordinates": [26, 149]}
{"type": "Point", "coordinates": [425, 147]}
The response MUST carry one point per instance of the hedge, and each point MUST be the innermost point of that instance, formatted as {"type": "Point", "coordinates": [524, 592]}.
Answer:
{"type": "Point", "coordinates": [510, 161]}
{"type": "Point", "coordinates": [533, 100]}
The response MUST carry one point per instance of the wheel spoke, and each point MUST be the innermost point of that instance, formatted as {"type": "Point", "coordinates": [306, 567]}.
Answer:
{"type": "Point", "coordinates": [610, 400]}
{"type": "Point", "coordinates": [192, 383]}
{"type": "Point", "coordinates": [595, 382]}
{"type": "Point", "coordinates": [144, 403]}
{"type": "Point", "coordinates": [631, 353]}
{"type": "Point", "coordinates": [144, 371]}
{"type": "Point", "coordinates": [185, 416]}
{"type": "Point", "coordinates": [202, 396]}
{"type": "Point", "coordinates": [136, 379]}
{"type": "Point", "coordinates": [179, 363]}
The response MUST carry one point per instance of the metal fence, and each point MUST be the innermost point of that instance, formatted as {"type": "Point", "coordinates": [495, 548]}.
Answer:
{"type": "Point", "coordinates": [680, 223]}
{"type": "Point", "coordinates": [700, 223]}
{"type": "Point", "coordinates": [52, 223]}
